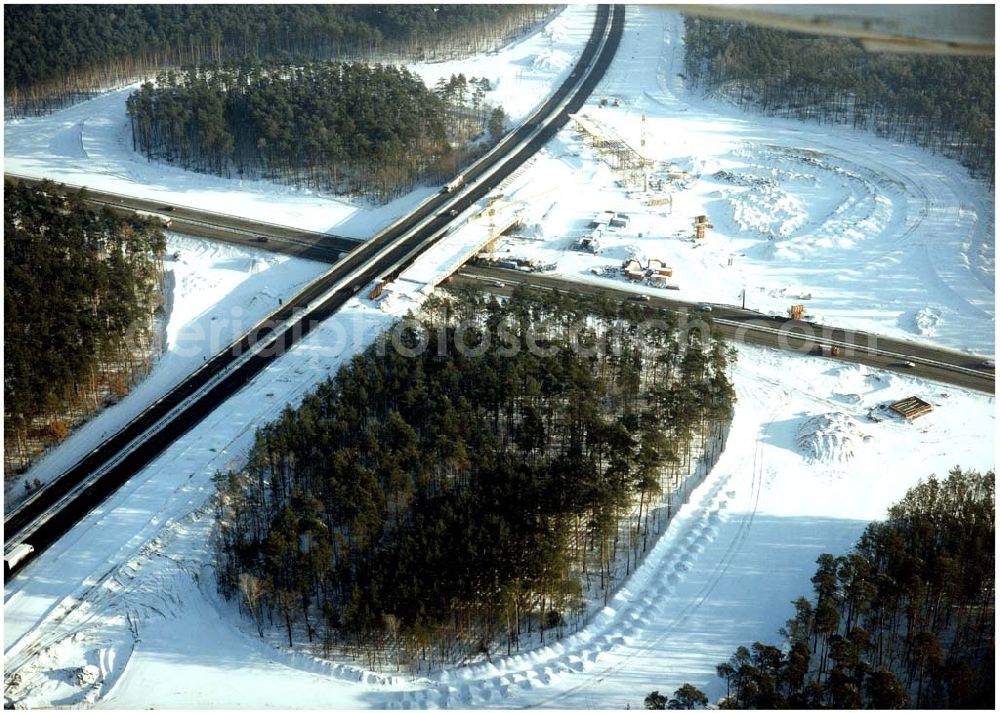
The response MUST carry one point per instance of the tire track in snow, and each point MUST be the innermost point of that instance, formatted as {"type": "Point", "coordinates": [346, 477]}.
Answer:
{"type": "Point", "coordinates": [930, 185]}
{"type": "Point", "coordinates": [948, 266]}
{"type": "Point", "coordinates": [642, 597]}
{"type": "Point", "coordinates": [719, 571]}
{"type": "Point", "coordinates": [101, 600]}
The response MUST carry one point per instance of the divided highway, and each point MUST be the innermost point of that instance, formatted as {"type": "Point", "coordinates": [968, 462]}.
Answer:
{"type": "Point", "coordinates": [51, 511]}
{"type": "Point", "coordinates": [928, 362]}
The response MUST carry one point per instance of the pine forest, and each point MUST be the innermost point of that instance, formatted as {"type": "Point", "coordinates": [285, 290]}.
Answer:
{"type": "Point", "coordinates": [471, 484]}
{"type": "Point", "coordinates": [349, 128]}
{"type": "Point", "coordinates": [904, 620]}
{"type": "Point", "coordinates": [944, 103]}
{"type": "Point", "coordinates": [57, 54]}
{"type": "Point", "coordinates": [81, 293]}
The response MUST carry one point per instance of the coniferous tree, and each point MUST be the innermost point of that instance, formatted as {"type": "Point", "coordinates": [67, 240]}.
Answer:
{"type": "Point", "coordinates": [55, 54]}
{"type": "Point", "coordinates": [80, 290]}
{"type": "Point", "coordinates": [341, 127]}
{"type": "Point", "coordinates": [419, 509]}
{"type": "Point", "coordinates": [945, 103]}
{"type": "Point", "coordinates": [875, 637]}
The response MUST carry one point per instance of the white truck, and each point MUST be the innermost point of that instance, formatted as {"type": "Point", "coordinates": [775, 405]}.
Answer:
{"type": "Point", "coordinates": [158, 217]}
{"type": "Point", "coordinates": [17, 553]}
{"type": "Point", "coordinates": [453, 185]}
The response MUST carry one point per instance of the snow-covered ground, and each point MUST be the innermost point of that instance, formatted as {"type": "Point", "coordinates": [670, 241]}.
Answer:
{"type": "Point", "coordinates": [130, 591]}
{"type": "Point", "coordinates": [524, 73]}
{"type": "Point", "coordinates": [215, 293]}
{"type": "Point", "coordinates": [123, 612]}
{"type": "Point", "coordinates": [91, 143]}
{"type": "Point", "coordinates": [866, 232]}
{"type": "Point", "coordinates": [87, 600]}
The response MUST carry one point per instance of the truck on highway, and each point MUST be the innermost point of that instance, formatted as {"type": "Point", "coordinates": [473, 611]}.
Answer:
{"type": "Point", "coordinates": [828, 350]}
{"type": "Point", "coordinates": [17, 554]}
{"type": "Point", "coordinates": [158, 217]}
{"type": "Point", "coordinates": [453, 185]}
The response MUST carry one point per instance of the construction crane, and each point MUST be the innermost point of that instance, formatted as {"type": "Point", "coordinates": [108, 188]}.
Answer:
{"type": "Point", "coordinates": [642, 151]}
{"type": "Point", "coordinates": [642, 135]}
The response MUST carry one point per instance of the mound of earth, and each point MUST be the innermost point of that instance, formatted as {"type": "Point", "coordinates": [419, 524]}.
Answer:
{"type": "Point", "coordinates": [831, 438]}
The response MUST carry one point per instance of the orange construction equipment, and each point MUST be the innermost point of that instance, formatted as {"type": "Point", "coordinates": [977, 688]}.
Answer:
{"type": "Point", "coordinates": [700, 225]}
{"type": "Point", "coordinates": [796, 311]}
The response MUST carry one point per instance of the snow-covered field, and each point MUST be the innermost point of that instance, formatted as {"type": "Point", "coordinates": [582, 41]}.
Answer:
{"type": "Point", "coordinates": [91, 143]}
{"type": "Point", "coordinates": [100, 594]}
{"type": "Point", "coordinates": [866, 232]}
{"type": "Point", "coordinates": [123, 613]}
{"type": "Point", "coordinates": [130, 591]}
{"type": "Point", "coordinates": [215, 293]}
{"type": "Point", "coordinates": [524, 73]}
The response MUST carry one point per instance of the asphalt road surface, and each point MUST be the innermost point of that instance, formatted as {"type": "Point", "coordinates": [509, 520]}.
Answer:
{"type": "Point", "coordinates": [229, 228]}
{"type": "Point", "coordinates": [731, 322]}
{"type": "Point", "coordinates": [51, 511]}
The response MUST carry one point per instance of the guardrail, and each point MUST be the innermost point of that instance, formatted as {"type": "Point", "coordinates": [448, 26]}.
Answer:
{"type": "Point", "coordinates": [750, 324]}
{"type": "Point", "coordinates": [843, 344]}
{"type": "Point", "coordinates": [323, 294]}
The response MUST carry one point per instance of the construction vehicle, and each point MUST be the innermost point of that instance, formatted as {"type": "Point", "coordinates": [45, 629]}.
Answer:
{"type": "Point", "coordinates": [376, 291]}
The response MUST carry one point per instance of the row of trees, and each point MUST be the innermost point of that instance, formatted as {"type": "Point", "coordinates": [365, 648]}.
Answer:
{"type": "Point", "coordinates": [687, 697]}
{"type": "Point", "coordinates": [433, 503]}
{"type": "Point", "coordinates": [941, 102]}
{"type": "Point", "coordinates": [344, 127]}
{"type": "Point", "coordinates": [905, 619]}
{"type": "Point", "coordinates": [80, 291]}
{"type": "Point", "coordinates": [57, 53]}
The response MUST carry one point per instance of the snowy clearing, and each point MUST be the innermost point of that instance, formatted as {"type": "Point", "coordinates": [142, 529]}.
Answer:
{"type": "Point", "coordinates": [865, 232]}
{"type": "Point", "coordinates": [129, 592]}
{"type": "Point", "coordinates": [91, 143]}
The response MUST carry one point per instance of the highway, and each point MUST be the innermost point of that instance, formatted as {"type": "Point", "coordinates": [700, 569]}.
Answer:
{"type": "Point", "coordinates": [219, 226]}
{"type": "Point", "coordinates": [49, 512]}
{"type": "Point", "coordinates": [731, 322]}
